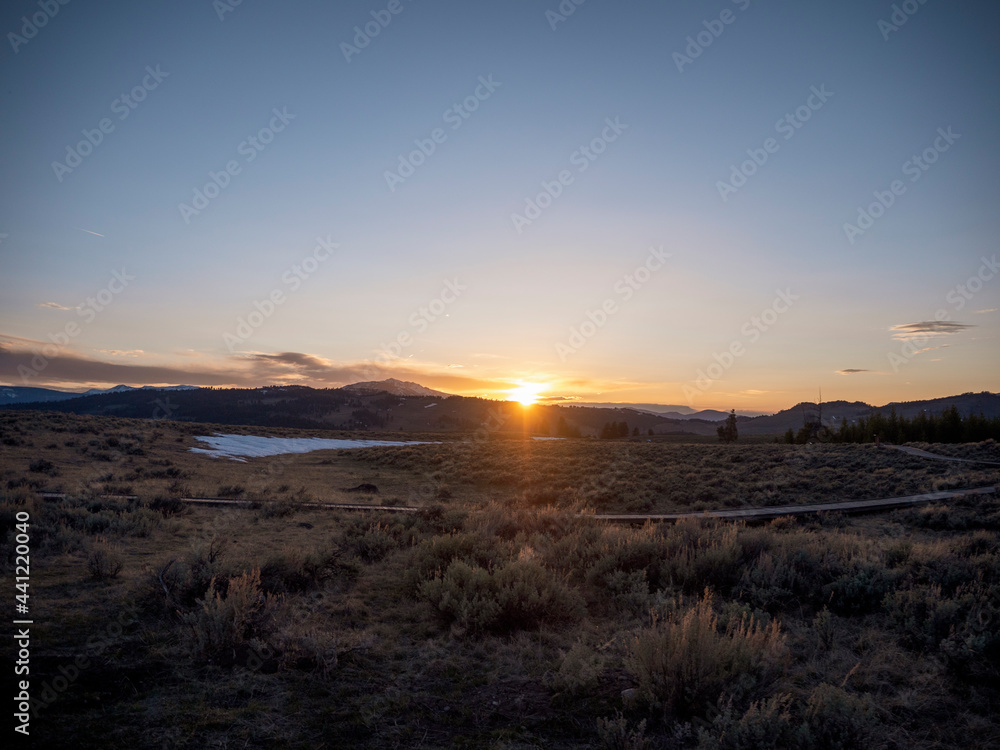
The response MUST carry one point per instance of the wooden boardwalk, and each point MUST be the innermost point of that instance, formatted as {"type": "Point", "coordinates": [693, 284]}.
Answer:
{"type": "Point", "coordinates": [928, 454]}
{"type": "Point", "coordinates": [734, 514]}
{"type": "Point", "coordinates": [218, 501]}
{"type": "Point", "coordinates": [776, 511]}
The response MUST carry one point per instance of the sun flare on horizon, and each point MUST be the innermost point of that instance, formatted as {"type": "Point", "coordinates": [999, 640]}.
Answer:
{"type": "Point", "coordinates": [526, 393]}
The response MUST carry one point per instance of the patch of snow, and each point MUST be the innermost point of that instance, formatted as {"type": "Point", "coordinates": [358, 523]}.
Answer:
{"type": "Point", "coordinates": [236, 446]}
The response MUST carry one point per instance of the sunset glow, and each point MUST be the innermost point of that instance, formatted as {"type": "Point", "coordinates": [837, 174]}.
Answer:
{"type": "Point", "coordinates": [526, 393]}
{"type": "Point", "coordinates": [246, 195]}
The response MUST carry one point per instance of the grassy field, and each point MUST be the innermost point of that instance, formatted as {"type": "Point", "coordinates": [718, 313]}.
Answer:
{"type": "Point", "coordinates": [494, 618]}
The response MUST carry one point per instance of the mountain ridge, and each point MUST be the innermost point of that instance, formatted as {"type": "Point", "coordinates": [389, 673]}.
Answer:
{"type": "Point", "coordinates": [15, 394]}
{"type": "Point", "coordinates": [351, 408]}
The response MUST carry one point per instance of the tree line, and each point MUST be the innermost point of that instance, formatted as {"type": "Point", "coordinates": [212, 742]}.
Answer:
{"type": "Point", "coordinates": [948, 427]}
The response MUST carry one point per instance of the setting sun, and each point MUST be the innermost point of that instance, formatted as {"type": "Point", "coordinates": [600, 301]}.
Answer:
{"type": "Point", "coordinates": [526, 393]}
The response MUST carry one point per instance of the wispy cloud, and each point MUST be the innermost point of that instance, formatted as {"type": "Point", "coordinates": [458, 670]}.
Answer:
{"type": "Point", "coordinates": [926, 329]}
{"type": "Point", "coordinates": [242, 371]}
{"type": "Point", "coordinates": [54, 306]}
{"type": "Point", "coordinates": [122, 353]}
{"type": "Point", "coordinates": [851, 371]}
{"type": "Point", "coordinates": [89, 232]}
{"type": "Point", "coordinates": [987, 310]}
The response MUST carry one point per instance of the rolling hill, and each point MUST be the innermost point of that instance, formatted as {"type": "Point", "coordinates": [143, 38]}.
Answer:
{"type": "Point", "coordinates": [394, 405]}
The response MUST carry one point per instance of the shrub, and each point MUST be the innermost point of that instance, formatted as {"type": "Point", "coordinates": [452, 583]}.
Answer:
{"type": "Point", "coordinates": [860, 590]}
{"type": "Point", "coordinates": [531, 594]}
{"type": "Point", "coordinates": [764, 726]}
{"type": "Point", "coordinates": [434, 555]}
{"type": "Point", "coordinates": [712, 559]}
{"type": "Point", "coordinates": [630, 551]}
{"type": "Point", "coordinates": [629, 591]}
{"type": "Point", "coordinates": [685, 664]}
{"type": "Point", "coordinates": [375, 543]}
{"type": "Point", "coordinates": [579, 671]}
{"type": "Point", "coordinates": [522, 594]}
{"type": "Point", "coordinates": [466, 596]}
{"type": "Point", "coordinates": [898, 553]}
{"type": "Point", "coordinates": [200, 570]}
{"type": "Point", "coordinates": [104, 561]}
{"type": "Point", "coordinates": [972, 647]}
{"type": "Point", "coordinates": [824, 628]}
{"type": "Point", "coordinates": [307, 649]}
{"type": "Point", "coordinates": [279, 508]}
{"type": "Point", "coordinates": [836, 719]}
{"type": "Point", "coordinates": [167, 505]}
{"type": "Point", "coordinates": [41, 466]}
{"type": "Point", "coordinates": [298, 572]}
{"type": "Point", "coordinates": [618, 734]}
{"type": "Point", "coordinates": [223, 622]}
{"type": "Point", "coordinates": [770, 582]}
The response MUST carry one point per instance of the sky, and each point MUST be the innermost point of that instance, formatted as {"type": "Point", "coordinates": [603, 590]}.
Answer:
{"type": "Point", "coordinates": [726, 204]}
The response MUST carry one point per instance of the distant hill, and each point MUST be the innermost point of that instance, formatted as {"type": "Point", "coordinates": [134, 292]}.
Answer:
{"type": "Point", "coordinates": [673, 411]}
{"type": "Point", "coordinates": [373, 406]}
{"type": "Point", "coordinates": [833, 412]}
{"type": "Point", "coordinates": [21, 395]}
{"type": "Point", "coordinates": [361, 408]}
{"type": "Point", "coordinates": [13, 394]}
{"type": "Point", "coordinates": [395, 387]}
{"type": "Point", "coordinates": [709, 415]}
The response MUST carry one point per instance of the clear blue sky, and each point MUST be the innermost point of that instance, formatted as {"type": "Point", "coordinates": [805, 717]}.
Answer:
{"type": "Point", "coordinates": [522, 288]}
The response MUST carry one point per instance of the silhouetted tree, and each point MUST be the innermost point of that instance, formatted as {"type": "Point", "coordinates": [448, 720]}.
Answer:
{"type": "Point", "coordinates": [727, 430]}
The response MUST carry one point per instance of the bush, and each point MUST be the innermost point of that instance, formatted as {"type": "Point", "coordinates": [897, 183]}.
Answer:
{"type": "Point", "coordinates": [307, 649]}
{"type": "Point", "coordinates": [860, 590]}
{"type": "Point", "coordinates": [836, 720]}
{"type": "Point", "coordinates": [579, 671]}
{"type": "Point", "coordinates": [201, 569]}
{"type": "Point", "coordinates": [617, 734]}
{"type": "Point", "coordinates": [104, 561]}
{"type": "Point", "coordinates": [684, 665]}
{"type": "Point", "coordinates": [466, 596]}
{"type": "Point", "coordinates": [167, 505]}
{"type": "Point", "coordinates": [222, 623]}
{"type": "Point", "coordinates": [711, 559]}
{"type": "Point", "coordinates": [522, 594]}
{"type": "Point", "coordinates": [531, 594]}
{"type": "Point", "coordinates": [375, 543]}
{"type": "Point", "coordinates": [764, 726]}
{"type": "Point", "coordinates": [632, 551]}
{"type": "Point", "coordinates": [295, 573]}
{"type": "Point", "coordinates": [771, 582]}
{"type": "Point", "coordinates": [434, 555]}
{"type": "Point", "coordinates": [629, 592]}
{"type": "Point", "coordinates": [41, 466]}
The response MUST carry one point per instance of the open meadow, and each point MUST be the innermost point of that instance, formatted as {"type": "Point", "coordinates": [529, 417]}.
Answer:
{"type": "Point", "coordinates": [501, 614]}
